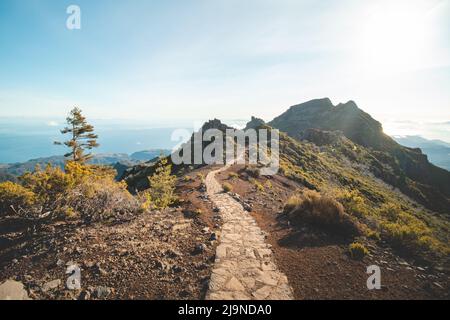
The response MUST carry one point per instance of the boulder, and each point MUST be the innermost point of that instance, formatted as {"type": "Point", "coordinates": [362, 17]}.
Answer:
{"type": "Point", "coordinates": [13, 290]}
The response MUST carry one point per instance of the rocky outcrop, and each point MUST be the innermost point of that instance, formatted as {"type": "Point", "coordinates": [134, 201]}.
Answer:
{"type": "Point", "coordinates": [255, 123]}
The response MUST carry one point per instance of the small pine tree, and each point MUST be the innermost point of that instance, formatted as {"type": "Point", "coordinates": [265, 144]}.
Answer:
{"type": "Point", "coordinates": [83, 136]}
{"type": "Point", "coordinates": [161, 193]}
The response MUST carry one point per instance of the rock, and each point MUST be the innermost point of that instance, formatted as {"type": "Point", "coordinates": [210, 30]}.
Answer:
{"type": "Point", "coordinates": [247, 207]}
{"type": "Point", "coordinates": [213, 237]}
{"type": "Point", "coordinates": [201, 266]}
{"type": "Point", "coordinates": [171, 253]}
{"type": "Point", "coordinates": [14, 261]}
{"type": "Point", "coordinates": [178, 269]}
{"type": "Point", "coordinates": [200, 248]}
{"type": "Point", "coordinates": [51, 285]}
{"type": "Point", "coordinates": [184, 293]}
{"type": "Point", "coordinates": [100, 270]}
{"type": "Point", "coordinates": [102, 292]}
{"type": "Point", "coordinates": [205, 230]}
{"type": "Point", "coordinates": [234, 285]}
{"type": "Point", "coordinates": [420, 269]}
{"type": "Point", "coordinates": [13, 290]}
{"type": "Point", "coordinates": [439, 268]}
{"type": "Point", "coordinates": [60, 263]}
{"type": "Point", "coordinates": [437, 284]}
{"type": "Point", "coordinates": [84, 295]}
{"type": "Point", "coordinates": [161, 265]}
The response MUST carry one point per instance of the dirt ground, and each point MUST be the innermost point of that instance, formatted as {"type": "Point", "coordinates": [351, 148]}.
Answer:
{"type": "Point", "coordinates": [157, 255]}
{"type": "Point", "coordinates": [170, 254]}
{"type": "Point", "coordinates": [317, 265]}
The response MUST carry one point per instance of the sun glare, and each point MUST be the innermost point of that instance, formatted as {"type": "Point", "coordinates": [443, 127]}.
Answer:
{"type": "Point", "coordinates": [395, 38]}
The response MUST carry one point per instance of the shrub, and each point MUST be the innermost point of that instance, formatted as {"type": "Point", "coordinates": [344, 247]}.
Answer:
{"type": "Point", "coordinates": [259, 187]}
{"type": "Point", "coordinates": [401, 228]}
{"type": "Point", "coordinates": [227, 187]}
{"type": "Point", "coordinates": [321, 211]}
{"type": "Point", "coordinates": [97, 199]}
{"type": "Point", "coordinates": [233, 175]}
{"type": "Point", "coordinates": [357, 250]}
{"type": "Point", "coordinates": [293, 202]}
{"type": "Point", "coordinates": [161, 193]}
{"type": "Point", "coordinates": [48, 185]}
{"type": "Point", "coordinates": [201, 176]}
{"type": "Point", "coordinates": [268, 184]}
{"type": "Point", "coordinates": [352, 201]}
{"type": "Point", "coordinates": [81, 191]}
{"type": "Point", "coordinates": [15, 196]}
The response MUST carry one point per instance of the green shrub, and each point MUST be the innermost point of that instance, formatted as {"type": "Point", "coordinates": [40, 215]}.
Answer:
{"type": "Point", "coordinates": [161, 193]}
{"type": "Point", "coordinates": [233, 175]}
{"type": "Point", "coordinates": [357, 250]}
{"type": "Point", "coordinates": [268, 184]}
{"type": "Point", "coordinates": [352, 201]}
{"type": "Point", "coordinates": [201, 176]}
{"type": "Point", "coordinates": [404, 230]}
{"type": "Point", "coordinates": [227, 187]}
{"type": "Point", "coordinates": [259, 187]}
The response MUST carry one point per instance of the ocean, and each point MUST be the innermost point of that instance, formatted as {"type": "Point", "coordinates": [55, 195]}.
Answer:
{"type": "Point", "coordinates": [25, 139]}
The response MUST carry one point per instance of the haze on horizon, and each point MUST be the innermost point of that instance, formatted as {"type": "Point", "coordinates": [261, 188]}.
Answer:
{"type": "Point", "coordinates": [225, 59]}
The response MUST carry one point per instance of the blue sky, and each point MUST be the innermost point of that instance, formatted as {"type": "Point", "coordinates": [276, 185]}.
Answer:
{"type": "Point", "coordinates": [229, 59]}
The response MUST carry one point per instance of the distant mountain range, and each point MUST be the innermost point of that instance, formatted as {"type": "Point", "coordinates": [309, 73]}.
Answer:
{"type": "Point", "coordinates": [120, 161]}
{"type": "Point", "coordinates": [438, 151]}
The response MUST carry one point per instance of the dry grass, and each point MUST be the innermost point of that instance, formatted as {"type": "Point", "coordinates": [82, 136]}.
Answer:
{"type": "Point", "coordinates": [357, 250]}
{"type": "Point", "coordinates": [227, 187]}
{"type": "Point", "coordinates": [321, 211]}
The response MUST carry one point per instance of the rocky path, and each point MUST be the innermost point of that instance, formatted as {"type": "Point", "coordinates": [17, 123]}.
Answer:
{"type": "Point", "coordinates": [244, 267]}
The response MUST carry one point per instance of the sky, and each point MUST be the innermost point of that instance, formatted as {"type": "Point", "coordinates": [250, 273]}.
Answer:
{"type": "Point", "coordinates": [196, 59]}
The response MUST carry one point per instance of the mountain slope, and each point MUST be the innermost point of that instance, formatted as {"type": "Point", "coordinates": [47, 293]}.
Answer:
{"type": "Point", "coordinates": [407, 168]}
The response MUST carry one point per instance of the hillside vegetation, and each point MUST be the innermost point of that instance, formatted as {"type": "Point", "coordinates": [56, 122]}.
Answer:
{"type": "Point", "coordinates": [405, 168]}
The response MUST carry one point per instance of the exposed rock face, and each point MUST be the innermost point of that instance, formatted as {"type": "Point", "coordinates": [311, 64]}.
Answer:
{"type": "Point", "coordinates": [427, 183]}
{"type": "Point", "coordinates": [321, 138]}
{"type": "Point", "coordinates": [255, 123]}
{"type": "Point", "coordinates": [356, 125]}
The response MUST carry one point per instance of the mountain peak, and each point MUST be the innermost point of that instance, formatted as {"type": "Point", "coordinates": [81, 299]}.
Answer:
{"type": "Point", "coordinates": [347, 117]}
{"type": "Point", "coordinates": [322, 103]}
{"type": "Point", "coordinates": [254, 123]}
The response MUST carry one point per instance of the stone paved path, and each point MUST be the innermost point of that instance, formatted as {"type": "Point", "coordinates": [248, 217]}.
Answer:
{"type": "Point", "coordinates": [244, 267]}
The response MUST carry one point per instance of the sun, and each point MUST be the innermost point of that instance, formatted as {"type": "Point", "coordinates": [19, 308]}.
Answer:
{"type": "Point", "coordinates": [394, 37]}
